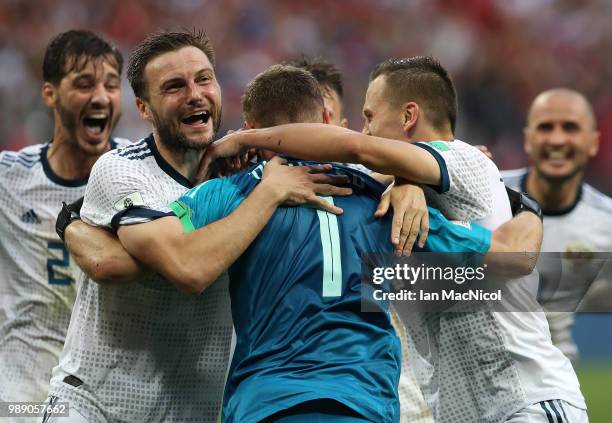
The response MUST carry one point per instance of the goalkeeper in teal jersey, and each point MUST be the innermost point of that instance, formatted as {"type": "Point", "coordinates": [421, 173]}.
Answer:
{"type": "Point", "coordinates": [304, 348]}
{"type": "Point", "coordinates": [296, 301]}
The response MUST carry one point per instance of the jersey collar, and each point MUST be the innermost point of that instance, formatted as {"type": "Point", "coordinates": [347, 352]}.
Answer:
{"type": "Point", "coordinates": [54, 177]}
{"type": "Point", "coordinates": [164, 165]}
{"type": "Point", "coordinates": [554, 212]}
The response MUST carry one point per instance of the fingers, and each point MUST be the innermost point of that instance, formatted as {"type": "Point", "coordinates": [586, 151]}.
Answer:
{"type": "Point", "coordinates": [276, 161]}
{"type": "Point", "coordinates": [319, 168]}
{"type": "Point", "coordinates": [485, 150]}
{"type": "Point", "coordinates": [424, 230]}
{"type": "Point", "coordinates": [409, 232]}
{"type": "Point", "coordinates": [331, 190]}
{"type": "Point", "coordinates": [322, 204]}
{"type": "Point", "coordinates": [396, 227]}
{"type": "Point", "coordinates": [323, 178]}
{"type": "Point", "coordinates": [383, 206]}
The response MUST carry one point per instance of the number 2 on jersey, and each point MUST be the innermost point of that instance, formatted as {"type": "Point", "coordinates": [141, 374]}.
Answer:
{"type": "Point", "coordinates": [64, 262]}
{"type": "Point", "coordinates": [330, 241]}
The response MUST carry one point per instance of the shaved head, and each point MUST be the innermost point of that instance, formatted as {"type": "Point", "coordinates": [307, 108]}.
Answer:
{"type": "Point", "coordinates": [570, 97]}
{"type": "Point", "coordinates": [561, 134]}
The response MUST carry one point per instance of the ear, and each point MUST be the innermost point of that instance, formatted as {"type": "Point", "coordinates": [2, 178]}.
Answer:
{"type": "Point", "coordinates": [325, 116]}
{"type": "Point", "coordinates": [411, 112]}
{"type": "Point", "coordinates": [49, 94]}
{"type": "Point", "coordinates": [344, 123]}
{"type": "Point", "coordinates": [248, 125]}
{"type": "Point", "coordinates": [526, 140]}
{"type": "Point", "coordinates": [143, 109]}
{"type": "Point", "coordinates": [594, 148]}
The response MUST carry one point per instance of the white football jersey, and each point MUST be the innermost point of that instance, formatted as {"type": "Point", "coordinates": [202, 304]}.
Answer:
{"type": "Point", "coordinates": [142, 351]}
{"type": "Point", "coordinates": [37, 286]}
{"type": "Point", "coordinates": [586, 228]}
{"type": "Point", "coordinates": [484, 366]}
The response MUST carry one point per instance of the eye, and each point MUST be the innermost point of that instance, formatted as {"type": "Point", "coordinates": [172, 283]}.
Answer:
{"type": "Point", "coordinates": [545, 127]}
{"type": "Point", "coordinates": [173, 87]}
{"type": "Point", "coordinates": [571, 127]}
{"type": "Point", "coordinates": [83, 85]}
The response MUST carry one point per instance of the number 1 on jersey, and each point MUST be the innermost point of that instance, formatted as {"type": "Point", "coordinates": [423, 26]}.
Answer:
{"type": "Point", "coordinates": [330, 241]}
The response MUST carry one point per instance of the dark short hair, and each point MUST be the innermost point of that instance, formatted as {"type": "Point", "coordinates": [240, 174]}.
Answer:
{"type": "Point", "coordinates": [421, 79]}
{"type": "Point", "coordinates": [159, 43]}
{"type": "Point", "coordinates": [282, 94]}
{"type": "Point", "coordinates": [72, 50]}
{"type": "Point", "coordinates": [324, 72]}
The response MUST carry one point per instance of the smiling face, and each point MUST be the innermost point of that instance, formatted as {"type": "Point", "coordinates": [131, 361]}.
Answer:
{"type": "Point", "coordinates": [183, 99]}
{"type": "Point", "coordinates": [560, 136]}
{"type": "Point", "coordinates": [381, 118]}
{"type": "Point", "coordinates": [86, 104]}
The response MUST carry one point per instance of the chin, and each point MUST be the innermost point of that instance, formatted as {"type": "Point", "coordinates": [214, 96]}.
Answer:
{"type": "Point", "coordinates": [94, 147]}
{"type": "Point", "coordinates": [558, 174]}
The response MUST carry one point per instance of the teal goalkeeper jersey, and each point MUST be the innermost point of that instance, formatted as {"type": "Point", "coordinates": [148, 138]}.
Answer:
{"type": "Point", "coordinates": [296, 300]}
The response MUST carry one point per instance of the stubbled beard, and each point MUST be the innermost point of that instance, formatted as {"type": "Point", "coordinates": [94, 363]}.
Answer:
{"type": "Point", "coordinates": [68, 119]}
{"type": "Point", "coordinates": [579, 169]}
{"type": "Point", "coordinates": [173, 139]}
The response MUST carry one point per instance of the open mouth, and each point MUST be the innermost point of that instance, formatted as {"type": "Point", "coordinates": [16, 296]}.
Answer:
{"type": "Point", "coordinates": [95, 123]}
{"type": "Point", "coordinates": [199, 118]}
{"type": "Point", "coordinates": [558, 155]}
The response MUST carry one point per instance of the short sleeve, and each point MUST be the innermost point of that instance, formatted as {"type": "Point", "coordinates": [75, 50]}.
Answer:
{"type": "Point", "coordinates": [467, 180]}
{"type": "Point", "coordinates": [120, 191]}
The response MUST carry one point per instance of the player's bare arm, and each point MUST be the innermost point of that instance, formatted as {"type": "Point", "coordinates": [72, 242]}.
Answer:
{"type": "Point", "coordinates": [320, 142]}
{"type": "Point", "coordinates": [193, 261]}
{"type": "Point", "coordinates": [101, 256]}
{"type": "Point", "coordinates": [519, 241]}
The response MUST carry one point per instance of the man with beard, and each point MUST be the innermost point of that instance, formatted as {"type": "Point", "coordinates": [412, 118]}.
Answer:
{"type": "Point", "coordinates": [560, 138]}
{"type": "Point", "coordinates": [81, 73]}
{"type": "Point", "coordinates": [146, 351]}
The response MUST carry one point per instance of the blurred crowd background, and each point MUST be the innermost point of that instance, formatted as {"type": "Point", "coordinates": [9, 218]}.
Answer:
{"type": "Point", "coordinates": [500, 52]}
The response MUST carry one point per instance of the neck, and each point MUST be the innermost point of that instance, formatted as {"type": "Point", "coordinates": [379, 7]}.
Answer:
{"type": "Point", "coordinates": [553, 194]}
{"type": "Point", "coordinates": [427, 133]}
{"type": "Point", "coordinates": [67, 160]}
{"type": "Point", "coordinates": [184, 161]}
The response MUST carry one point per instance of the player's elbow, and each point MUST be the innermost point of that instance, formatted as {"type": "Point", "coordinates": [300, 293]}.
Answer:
{"type": "Point", "coordinates": [520, 264]}
{"type": "Point", "coordinates": [528, 263]}
{"type": "Point", "coordinates": [102, 270]}
{"type": "Point", "coordinates": [190, 281]}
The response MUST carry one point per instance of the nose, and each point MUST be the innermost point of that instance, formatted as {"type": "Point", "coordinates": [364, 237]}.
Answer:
{"type": "Point", "coordinates": [101, 96]}
{"type": "Point", "coordinates": [557, 136]}
{"type": "Point", "coordinates": [194, 93]}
